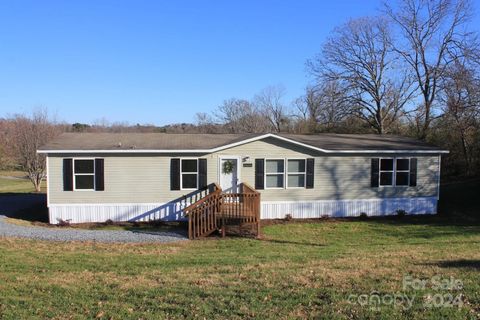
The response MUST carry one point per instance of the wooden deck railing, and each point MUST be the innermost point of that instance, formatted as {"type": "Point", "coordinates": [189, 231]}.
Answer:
{"type": "Point", "coordinates": [218, 209]}
{"type": "Point", "coordinates": [202, 215]}
{"type": "Point", "coordinates": [242, 207]}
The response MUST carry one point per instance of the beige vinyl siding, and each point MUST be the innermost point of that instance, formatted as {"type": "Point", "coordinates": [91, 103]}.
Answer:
{"type": "Point", "coordinates": [128, 179]}
{"type": "Point", "coordinates": [336, 176]}
{"type": "Point", "coordinates": [145, 178]}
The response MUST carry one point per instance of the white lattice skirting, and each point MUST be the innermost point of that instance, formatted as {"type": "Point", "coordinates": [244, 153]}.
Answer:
{"type": "Point", "coordinates": [78, 213]}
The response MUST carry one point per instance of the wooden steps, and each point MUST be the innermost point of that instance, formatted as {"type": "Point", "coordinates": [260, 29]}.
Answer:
{"type": "Point", "coordinates": [222, 211]}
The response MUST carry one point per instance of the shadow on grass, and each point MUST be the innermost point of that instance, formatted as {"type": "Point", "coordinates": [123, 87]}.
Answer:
{"type": "Point", "coordinates": [424, 227]}
{"type": "Point", "coordinates": [458, 214]}
{"type": "Point", "coordinates": [171, 231]}
{"type": "Point", "coordinates": [25, 206]}
{"type": "Point", "coordinates": [159, 227]}
{"type": "Point", "coordinates": [462, 263]}
{"type": "Point", "coordinates": [297, 243]}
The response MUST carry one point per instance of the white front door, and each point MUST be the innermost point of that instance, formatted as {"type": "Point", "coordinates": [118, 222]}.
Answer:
{"type": "Point", "coordinates": [229, 174]}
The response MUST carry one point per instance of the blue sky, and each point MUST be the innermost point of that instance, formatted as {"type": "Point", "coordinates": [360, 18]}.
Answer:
{"type": "Point", "coordinates": [157, 61]}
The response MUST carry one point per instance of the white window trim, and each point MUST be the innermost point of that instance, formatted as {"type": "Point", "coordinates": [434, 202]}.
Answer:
{"type": "Point", "coordinates": [380, 172]}
{"type": "Point", "coordinates": [82, 174]}
{"type": "Point", "coordinates": [285, 174]}
{"type": "Point", "coordinates": [304, 173]}
{"type": "Point", "coordinates": [276, 174]}
{"type": "Point", "coordinates": [181, 173]}
{"type": "Point", "coordinates": [394, 172]}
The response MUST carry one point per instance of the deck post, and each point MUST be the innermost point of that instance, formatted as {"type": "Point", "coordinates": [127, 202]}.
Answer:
{"type": "Point", "coordinates": [258, 205]}
{"type": "Point", "coordinates": [220, 210]}
{"type": "Point", "coordinates": [190, 235]}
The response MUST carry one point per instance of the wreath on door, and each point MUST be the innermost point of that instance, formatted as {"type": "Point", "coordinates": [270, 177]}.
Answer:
{"type": "Point", "coordinates": [228, 167]}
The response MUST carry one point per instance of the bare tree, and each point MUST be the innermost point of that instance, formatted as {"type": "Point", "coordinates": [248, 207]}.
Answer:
{"type": "Point", "coordinates": [358, 56]}
{"type": "Point", "coordinates": [239, 115]}
{"type": "Point", "coordinates": [300, 107]}
{"type": "Point", "coordinates": [434, 36]}
{"type": "Point", "coordinates": [329, 104]}
{"type": "Point", "coordinates": [27, 136]}
{"type": "Point", "coordinates": [269, 103]}
{"type": "Point", "coordinates": [6, 155]}
{"type": "Point", "coordinates": [313, 104]}
{"type": "Point", "coordinates": [205, 123]}
{"type": "Point", "coordinates": [461, 111]}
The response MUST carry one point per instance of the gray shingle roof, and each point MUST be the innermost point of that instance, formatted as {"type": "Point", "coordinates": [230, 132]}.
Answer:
{"type": "Point", "coordinates": [185, 142]}
{"type": "Point", "coordinates": [339, 142]}
{"type": "Point", "coordinates": [139, 141]}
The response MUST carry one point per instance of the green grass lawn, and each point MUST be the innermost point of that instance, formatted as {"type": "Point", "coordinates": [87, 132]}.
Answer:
{"type": "Point", "coordinates": [299, 270]}
{"type": "Point", "coordinates": [20, 184]}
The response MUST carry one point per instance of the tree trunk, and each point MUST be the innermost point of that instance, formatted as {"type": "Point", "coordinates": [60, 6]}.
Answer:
{"type": "Point", "coordinates": [425, 126]}
{"type": "Point", "coordinates": [465, 153]}
{"type": "Point", "coordinates": [379, 119]}
{"type": "Point", "coordinates": [36, 181]}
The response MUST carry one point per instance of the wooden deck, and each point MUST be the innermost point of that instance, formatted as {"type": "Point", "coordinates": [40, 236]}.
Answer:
{"type": "Point", "coordinates": [218, 210]}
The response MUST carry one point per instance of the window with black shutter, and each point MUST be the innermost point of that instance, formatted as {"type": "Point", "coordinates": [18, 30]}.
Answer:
{"type": "Point", "coordinates": [259, 173]}
{"type": "Point", "coordinates": [284, 173]}
{"type": "Point", "coordinates": [398, 172]}
{"type": "Point", "coordinates": [84, 174]}
{"type": "Point", "coordinates": [402, 172]}
{"type": "Point", "coordinates": [310, 173]}
{"type": "Point", "coordinates": [67, 174]}
{"type": "Point", "coordinates": [189, 174]}
{"type": "Point", "coordinates": [99, 175]}
{"type": "Point", "coordinates": [175, 174]}
{"type": "Point", "coordinates": [375, 166]}
{"type": "Point", "coordinates": [296, 173]}
{"type": "Point", "coordinates": [202, 173]}
{"type": "Point", "coordinates": [274, 173]}
{"type": "Point", "coordinates": [386, 172]}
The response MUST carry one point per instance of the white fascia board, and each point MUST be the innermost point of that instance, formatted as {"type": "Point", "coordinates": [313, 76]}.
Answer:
{"type": "Point", "coordinates": [126, 151]}
{"type": "Point", "coordinates": [268, 135]}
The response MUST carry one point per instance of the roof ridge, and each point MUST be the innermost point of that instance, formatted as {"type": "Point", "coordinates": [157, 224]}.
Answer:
{"type": "Point", "coordinates": [196, 143]}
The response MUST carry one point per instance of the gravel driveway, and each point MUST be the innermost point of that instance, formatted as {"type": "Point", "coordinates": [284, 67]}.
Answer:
{"type": "Point", "coordinates": [60, 234]}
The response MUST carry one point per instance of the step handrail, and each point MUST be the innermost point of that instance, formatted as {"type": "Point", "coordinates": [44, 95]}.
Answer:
{"type": "Point", "coordinates": [210, 212]}
{"type": "Point", "coordinates": [198, 203]}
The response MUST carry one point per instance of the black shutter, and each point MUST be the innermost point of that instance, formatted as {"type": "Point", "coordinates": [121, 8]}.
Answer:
{"type": "Point", "coordinates": [259, 173]}
{"type": "Point", "coordinates": [99, 175]}
{"type": "Point", "coordinates": [67, 175]}
{"type": "Point", "coordinates": [413, 172]}
{"type": "Point", "coordinates": [175, 174]}
{"type": "Point", "coordinates": [202, 173]}
{"type": "Point", "coordinates": [375, 175]}
{"type": "Point", "coordinates": [310, 173]}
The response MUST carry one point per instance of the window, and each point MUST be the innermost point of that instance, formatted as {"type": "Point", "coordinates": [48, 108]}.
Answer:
{"type": "Point", "coordinates": [402, 172]}
{"type": "Point", "coordinates": [84, 174]}
{"type": "Point", "coordinates": [189, 174]}
{"type": "Point", "coordinates": [394, 172]}
{"type": "Point", "coordinates": [386, 172]}
{"type": "Point", "coordinates": [274, 173]}
{"type": "Point", "coordinates": [296, 172]}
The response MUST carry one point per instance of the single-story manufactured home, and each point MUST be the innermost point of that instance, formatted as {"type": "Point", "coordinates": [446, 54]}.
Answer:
{"type": "Point", "coordinates": [94, 177]}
